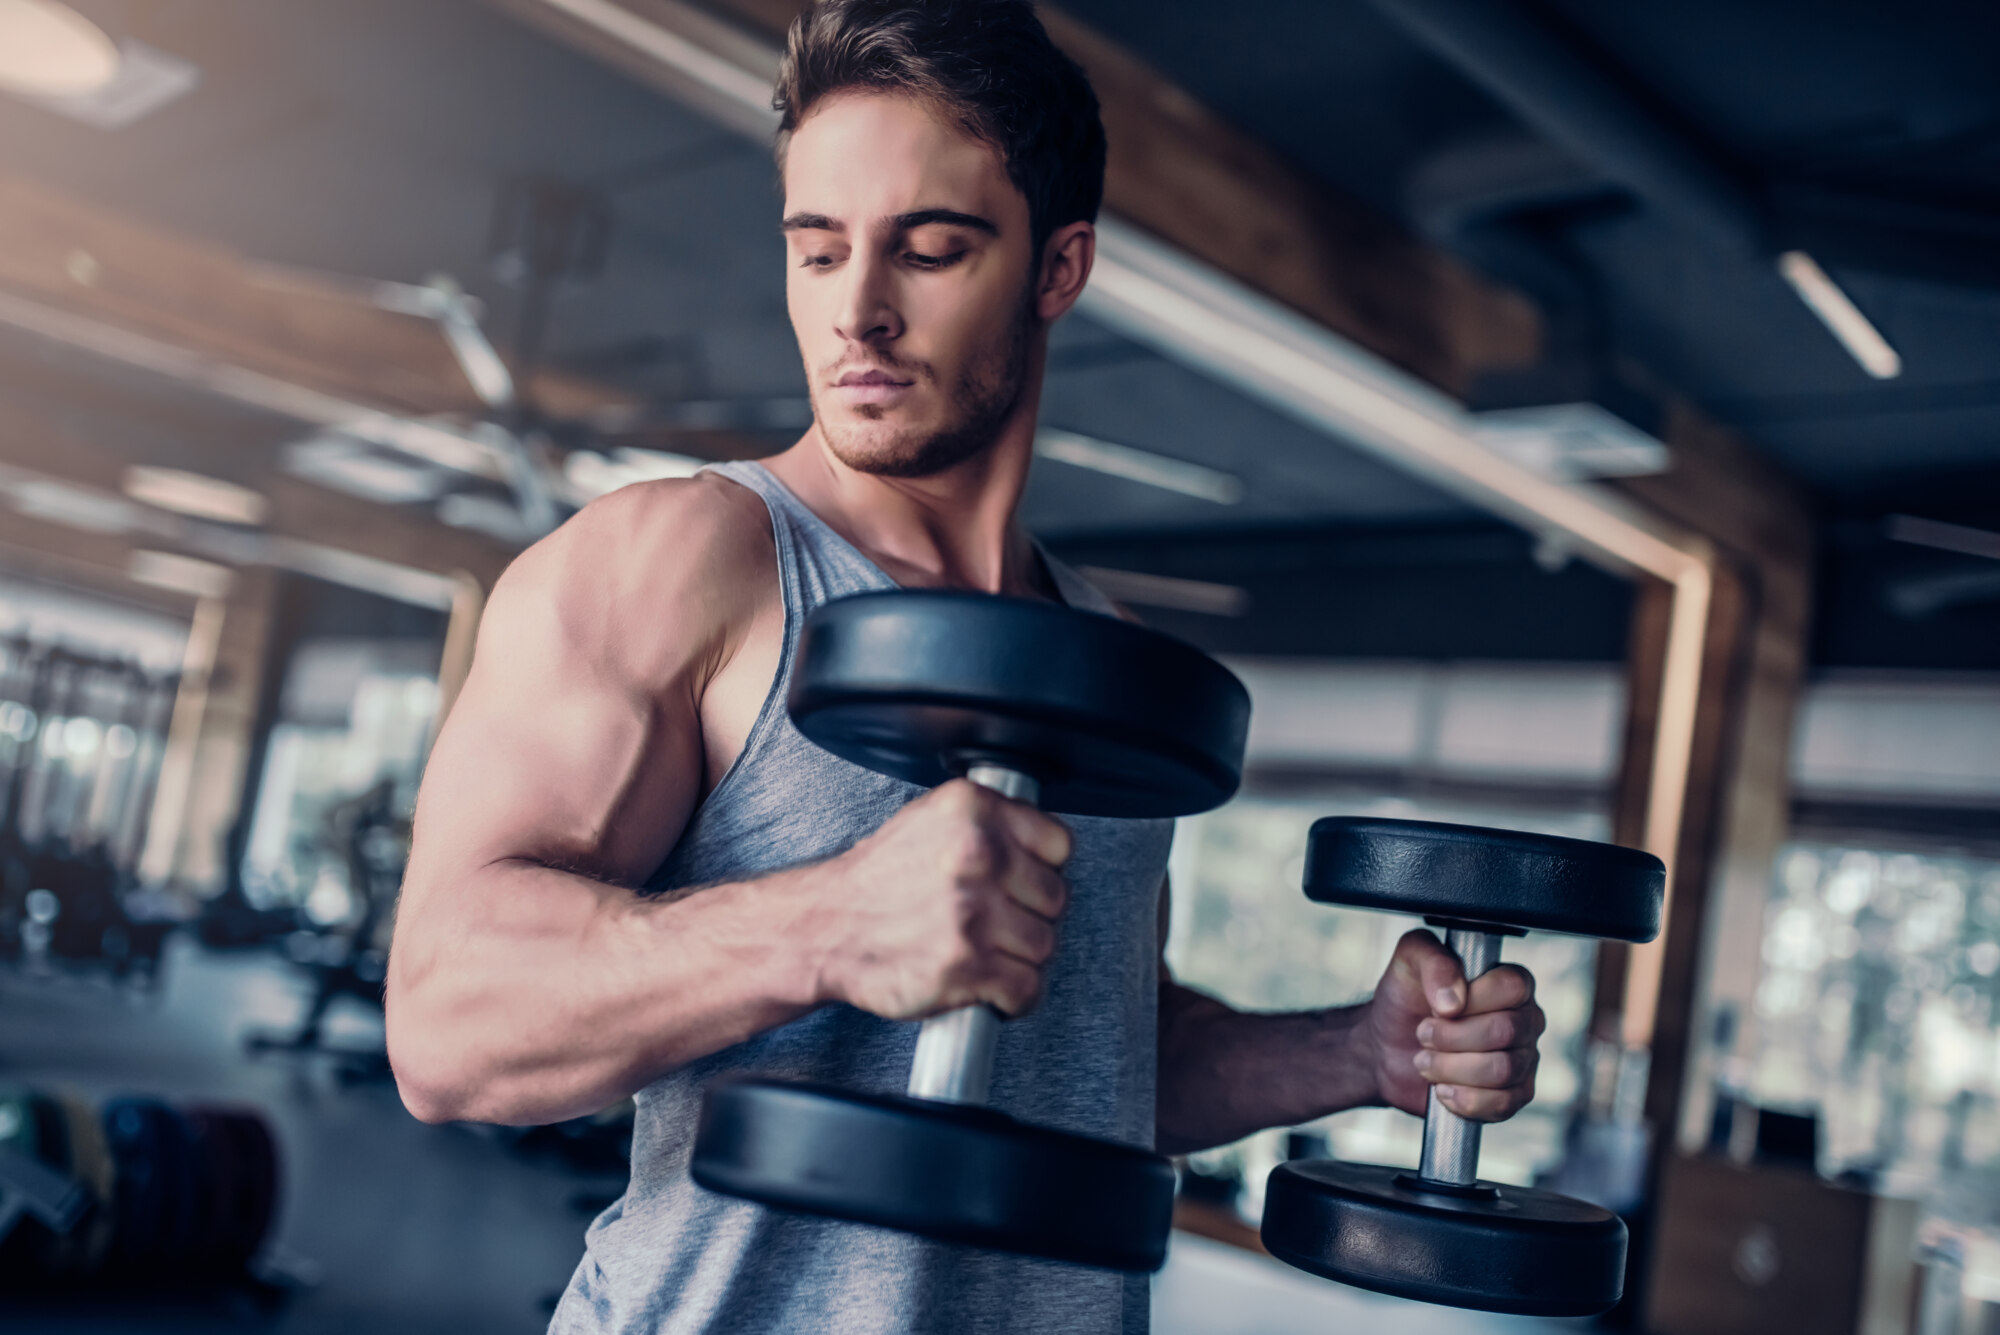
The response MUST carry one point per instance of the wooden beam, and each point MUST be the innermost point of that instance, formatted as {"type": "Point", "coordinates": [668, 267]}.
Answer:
{"type": "Point", "coordinates": [1738, 813]}
{"type": "Point", "coordinates": [63, 252]}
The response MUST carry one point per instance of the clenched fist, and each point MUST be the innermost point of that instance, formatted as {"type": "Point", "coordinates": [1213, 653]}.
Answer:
{"type": "Point", "coordinates": [1426, 1027]}
{"type": "Point", "coordinates": [953, 901]}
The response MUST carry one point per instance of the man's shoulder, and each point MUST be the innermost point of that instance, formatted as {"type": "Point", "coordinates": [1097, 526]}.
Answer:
{"type": "Point", "coordinates": [699, 519]}
{"type": "Point", "coordinates": [690, 556]}
{"type": "Point", "coordinates": [659, 533]}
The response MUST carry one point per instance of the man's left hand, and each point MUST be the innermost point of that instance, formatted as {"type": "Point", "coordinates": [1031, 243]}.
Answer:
{"type": "Point", "coordinates": [1426, 1027]}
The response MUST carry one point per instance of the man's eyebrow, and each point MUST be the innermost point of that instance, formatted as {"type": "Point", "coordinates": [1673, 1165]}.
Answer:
{"type": "Point", "coordinates": [904, 222]}
{"type": "Point", "coordinates": [810, 222]}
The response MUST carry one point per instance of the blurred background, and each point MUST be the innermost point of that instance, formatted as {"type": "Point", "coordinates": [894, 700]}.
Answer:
{"type": "Point", "coordinates": [1566, 415]}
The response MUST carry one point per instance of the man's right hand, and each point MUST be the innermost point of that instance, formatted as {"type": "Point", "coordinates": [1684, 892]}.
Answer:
{"type": "Point", "coordinates": [953, 901]}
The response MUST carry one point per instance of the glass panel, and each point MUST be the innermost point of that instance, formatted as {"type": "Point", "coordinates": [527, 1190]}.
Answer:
{"type": "Point", "coordinates": [1876, 1009]}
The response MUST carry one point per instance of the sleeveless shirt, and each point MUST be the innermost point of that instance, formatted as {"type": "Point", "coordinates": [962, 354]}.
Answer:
{"type": "Point", "coordinates": [671, 1257]}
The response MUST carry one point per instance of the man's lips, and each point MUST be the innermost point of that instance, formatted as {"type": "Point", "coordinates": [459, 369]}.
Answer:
{"type": "Point", "coordinates": [871, 387]}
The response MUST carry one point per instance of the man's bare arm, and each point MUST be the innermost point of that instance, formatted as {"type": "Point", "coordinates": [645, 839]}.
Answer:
{"type": "Point", "coordinates": [528, 982]}
{"type": "Point", "coordinates": [1225, 1074]}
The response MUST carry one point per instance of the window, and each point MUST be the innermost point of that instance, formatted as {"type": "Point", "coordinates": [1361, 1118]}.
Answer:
{"type": "Point", "coordinates": [1876, 1009]}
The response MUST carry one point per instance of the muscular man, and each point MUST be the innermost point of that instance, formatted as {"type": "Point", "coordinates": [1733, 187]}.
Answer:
{"type": "Point", "coordinates": [632, 874]}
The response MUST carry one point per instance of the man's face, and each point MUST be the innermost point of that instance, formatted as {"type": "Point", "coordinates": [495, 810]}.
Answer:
{"type": "Point", "coordinates": [909, 286]}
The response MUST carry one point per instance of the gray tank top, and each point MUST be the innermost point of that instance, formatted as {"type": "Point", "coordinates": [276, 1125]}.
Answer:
{"type": "Point", "coordinates": [672, 1257]}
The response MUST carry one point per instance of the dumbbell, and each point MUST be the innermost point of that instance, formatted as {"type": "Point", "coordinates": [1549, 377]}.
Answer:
{"type": "Point", "coordinates": [1441, 1235]}
{"type": "Point", "coordinates": [1081, 714]}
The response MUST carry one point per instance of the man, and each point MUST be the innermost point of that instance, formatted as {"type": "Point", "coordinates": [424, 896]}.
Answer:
{"type": "Point", "coordinates": [631, 874]}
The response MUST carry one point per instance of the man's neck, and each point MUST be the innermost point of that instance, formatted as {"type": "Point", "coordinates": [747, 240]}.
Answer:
{"type": "Point", "coordinates": [956, 529]}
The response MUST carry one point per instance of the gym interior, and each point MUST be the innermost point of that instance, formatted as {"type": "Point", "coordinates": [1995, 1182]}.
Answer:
{"type": "Point", "coordinates": [1562, 416]}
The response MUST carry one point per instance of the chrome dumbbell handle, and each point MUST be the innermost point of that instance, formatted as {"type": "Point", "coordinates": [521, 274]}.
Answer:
{"type": "Point", "coordinates": [954, 1060]}
{"type": "Point", "coordinates": [1451, 1143]}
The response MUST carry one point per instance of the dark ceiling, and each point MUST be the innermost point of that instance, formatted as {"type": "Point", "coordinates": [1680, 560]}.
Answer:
{"type": "Point", "coordinates": [373, 137]}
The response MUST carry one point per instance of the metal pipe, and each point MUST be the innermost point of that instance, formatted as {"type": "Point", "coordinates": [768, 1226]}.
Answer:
{"type": "Point", "coordinates": [954, 1059]}
{"type": "Point", "coordinates": [1451, 1143]}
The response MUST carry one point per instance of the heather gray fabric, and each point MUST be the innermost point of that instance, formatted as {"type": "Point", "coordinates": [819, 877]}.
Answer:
{"type": "Point", "coordinates": [671, 1257]}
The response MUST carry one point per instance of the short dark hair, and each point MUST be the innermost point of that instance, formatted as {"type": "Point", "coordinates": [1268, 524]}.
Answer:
{"type": "Point", "coordinates": [988, 62]}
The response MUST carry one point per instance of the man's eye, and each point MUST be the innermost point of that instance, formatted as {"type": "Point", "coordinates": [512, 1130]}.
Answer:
{"type": "Point", "coordinates": [923, 261]}
{"type": "Point", "coordinates": [816, 262]}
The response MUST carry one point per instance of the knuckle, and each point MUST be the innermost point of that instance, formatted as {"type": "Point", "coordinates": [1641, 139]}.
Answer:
{"type": "Point", "coordinates": [969, 853]}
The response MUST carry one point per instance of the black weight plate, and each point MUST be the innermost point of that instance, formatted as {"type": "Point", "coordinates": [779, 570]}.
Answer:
{"type": "Point", "coordinates": [218, 1187]}
{"type": "Point", "coordinates": [946, 1171]}
{"type": "Point", "coordinates": [136, 1134]}
{"type": "Point", "coordinates": [259, 1149]}
{"type": "Point", "coordinates": [1523, 1251]}
{"type": "Point", "coordinates": [90, 1162]}
{"type": "Point", "coordinates": [181, 1188]}
{"type": "Point", "coordinates": [45, 1112]}
{"type": "Point", "coordinates": [1537, 882]}
{"type": "Point", "coordinates": [1112, 718]}
{"type": "Point", "coordinates": [243, 1188]}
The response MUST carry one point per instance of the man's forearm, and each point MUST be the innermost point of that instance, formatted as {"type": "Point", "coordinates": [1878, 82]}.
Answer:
{"type": "Point", "coordinates": [525, 994]}
{"type": "Point", "coordinates": [1225, 1073]}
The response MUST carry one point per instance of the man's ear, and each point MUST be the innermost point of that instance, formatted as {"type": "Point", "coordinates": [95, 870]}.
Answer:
{"type": "Point", "coordinates": [1066, 261]}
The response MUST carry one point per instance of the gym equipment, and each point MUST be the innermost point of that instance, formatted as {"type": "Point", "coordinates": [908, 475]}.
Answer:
{"type": "Point", "coordinates": [39, 1201]}
{"type": "Point", "coordinates": [1082, 714]}
{"type": "Point", "coordinates": [237, 1168]}
{"type": "Point", "coordinates": [371, 836]}
{"type": "Point", "coordinates": [85, 1246]}
{"type": "Point", "coordinates": [1441, 1235]}
{"type": "Point", "coordinates": [141, 1193]}
{"type": "Point", "coordinates": [80, 743]}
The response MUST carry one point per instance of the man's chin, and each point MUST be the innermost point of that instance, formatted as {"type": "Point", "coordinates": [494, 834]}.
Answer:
{"type": "Point", "coordinates": [885, 448]}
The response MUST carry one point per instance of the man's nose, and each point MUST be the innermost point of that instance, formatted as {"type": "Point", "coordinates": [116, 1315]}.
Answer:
{"type": "Point", "coordinates": [866, 313]}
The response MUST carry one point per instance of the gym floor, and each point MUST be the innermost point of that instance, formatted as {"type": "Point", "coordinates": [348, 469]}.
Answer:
{"type": "Point", "coordinates": [396, 1228]}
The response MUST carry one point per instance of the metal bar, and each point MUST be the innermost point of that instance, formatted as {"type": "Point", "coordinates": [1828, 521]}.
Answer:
{"type": "Point", "coordinates": [1451, 1143]}
{"type": "Point", "coordinates": [954, 1058]}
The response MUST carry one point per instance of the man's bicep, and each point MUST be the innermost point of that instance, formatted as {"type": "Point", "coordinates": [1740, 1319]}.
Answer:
{"type": "Point", "coordinates": [554, 752]}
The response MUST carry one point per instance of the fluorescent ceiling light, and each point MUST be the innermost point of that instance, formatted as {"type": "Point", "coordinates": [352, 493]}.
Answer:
{"type": "Point", "coordinates": [1182, 595]}
{"type": "Point", "coordinates": [1142, 466]}
{"type": "Point", "coordinates": [147, 80]}
{"type": "Point", "coordinates": [73, 507]}
{"type": "Point", "coordinates": [350, 465]}
{"type": "Point", "coordinates": [1824, 297]}
{"type": "Point", "coordinates": [591, 474]}
{"type": "Point", "coordinates": [50, 50]}
{"type": "Point", "coordinates": [1570, 442]}
{"type": "Point", "coordinates": [1945, 537]}
{"type": "Point", "coordinates": [486, 514]}
{"type": "Point", "coordinates": [181, 574]}
{"type": "Point", "coordinates": [196, 495]}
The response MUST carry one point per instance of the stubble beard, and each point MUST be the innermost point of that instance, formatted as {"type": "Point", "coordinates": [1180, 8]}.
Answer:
{"type": "Point", "coordinates": [984, 397]}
